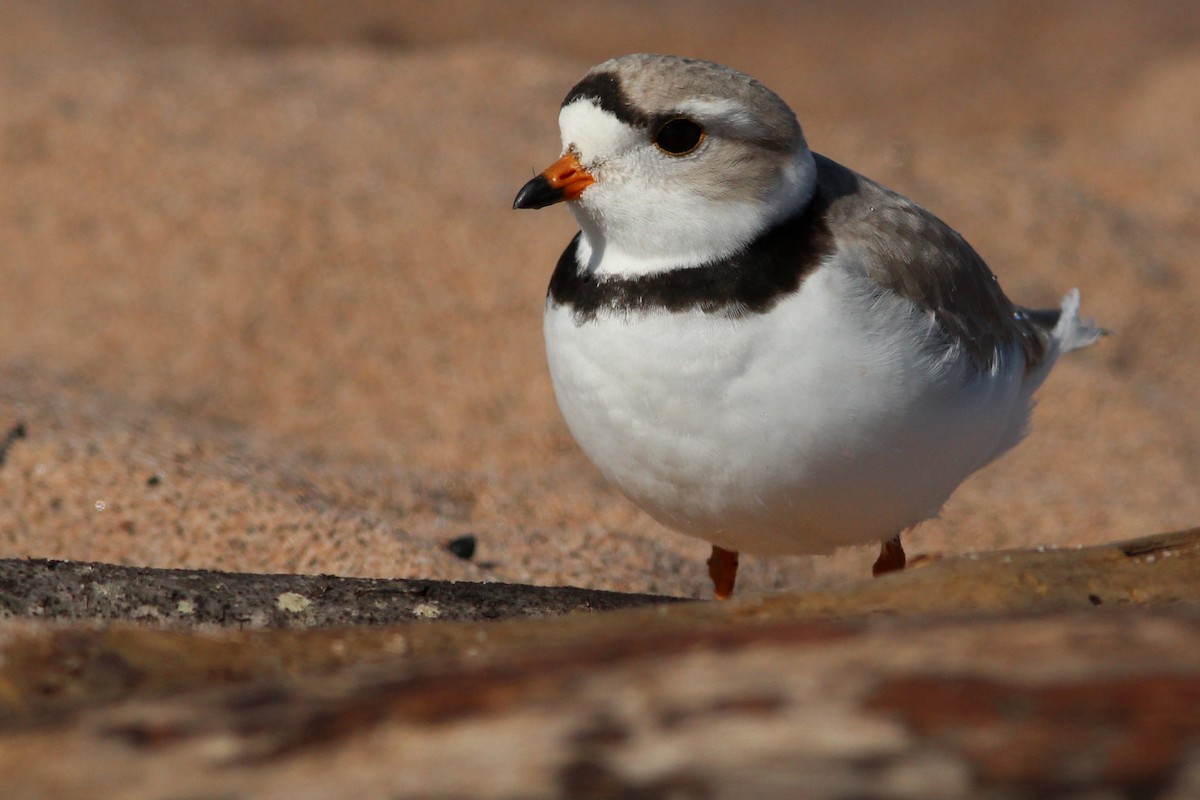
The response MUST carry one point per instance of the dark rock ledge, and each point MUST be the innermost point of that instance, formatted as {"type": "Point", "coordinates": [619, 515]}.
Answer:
{"type": "Point", "coordinates": [76, 590]}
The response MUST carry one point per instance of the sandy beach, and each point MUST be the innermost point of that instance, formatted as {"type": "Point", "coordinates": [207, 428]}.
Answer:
{"type": "Point", "coordinates": [266, 306]}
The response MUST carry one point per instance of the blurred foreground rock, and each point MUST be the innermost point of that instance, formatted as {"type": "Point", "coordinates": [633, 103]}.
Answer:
{"type": "Point", "coordinates": [1007, 674]}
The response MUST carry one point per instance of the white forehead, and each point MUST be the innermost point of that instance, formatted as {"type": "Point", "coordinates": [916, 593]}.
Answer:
{"type": "Point", "coordinates": [592, 131]}
{"type": "Point", "coordinates": [726, 112]}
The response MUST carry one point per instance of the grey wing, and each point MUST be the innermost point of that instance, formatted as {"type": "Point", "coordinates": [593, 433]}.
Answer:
{"type": "Point", "coordinates": [922, 259]}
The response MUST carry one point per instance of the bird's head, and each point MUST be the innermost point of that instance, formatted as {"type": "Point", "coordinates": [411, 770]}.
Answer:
{"type": "Point", "coordinates": [671, 162]}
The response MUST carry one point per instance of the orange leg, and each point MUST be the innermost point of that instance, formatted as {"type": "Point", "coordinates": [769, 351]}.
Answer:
{"type": "Point", "coordinates": [891, 557]}
{"type": "Point", "coordinates": [722, 568]}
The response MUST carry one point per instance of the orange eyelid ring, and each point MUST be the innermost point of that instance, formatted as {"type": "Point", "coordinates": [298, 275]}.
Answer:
{"type": "Point", "coordinates": [565, 179]}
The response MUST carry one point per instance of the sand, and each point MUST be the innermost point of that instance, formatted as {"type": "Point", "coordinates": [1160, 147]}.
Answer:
{"type": "Point", "coordinates": [266, 307]}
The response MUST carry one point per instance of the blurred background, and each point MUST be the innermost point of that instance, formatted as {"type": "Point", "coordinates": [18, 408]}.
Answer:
{"type": "Point", "coordinates": [264, 304]}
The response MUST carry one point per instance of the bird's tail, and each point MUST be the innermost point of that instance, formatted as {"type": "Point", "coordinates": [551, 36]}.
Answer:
{"type": "Point", "coordinates": [1062, 330]}
{"type": "Point", "coordinates": [1062, 327]}
{"type": "Point", "coordinates": [1070, 332]}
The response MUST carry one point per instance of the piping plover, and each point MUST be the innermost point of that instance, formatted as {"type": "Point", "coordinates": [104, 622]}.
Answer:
{"type": "Point", "coordinates": [759, 346]}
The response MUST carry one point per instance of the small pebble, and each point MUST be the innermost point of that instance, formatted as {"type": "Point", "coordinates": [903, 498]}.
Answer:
{"type": "Point", "coordinates": [462, 546]}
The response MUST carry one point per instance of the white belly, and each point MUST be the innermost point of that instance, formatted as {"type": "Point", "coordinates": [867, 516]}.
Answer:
{"type": "Point", "coordinates": [826, 421]}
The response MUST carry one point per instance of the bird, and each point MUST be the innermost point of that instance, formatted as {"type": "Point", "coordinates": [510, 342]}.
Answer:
{"type": "Point", "coordinates": [759, 346]}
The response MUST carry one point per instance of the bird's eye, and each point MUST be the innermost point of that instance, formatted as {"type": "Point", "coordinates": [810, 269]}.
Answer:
{"type": "Point", "coordinates": [679, 136]}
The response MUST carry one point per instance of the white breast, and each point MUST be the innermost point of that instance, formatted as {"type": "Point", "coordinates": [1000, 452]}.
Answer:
{"type": "Point", "coordinates": [834, 418]}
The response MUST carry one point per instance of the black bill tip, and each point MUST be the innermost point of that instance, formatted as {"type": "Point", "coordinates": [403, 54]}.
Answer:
{"type": "Point", "coordinates": [538, 193]}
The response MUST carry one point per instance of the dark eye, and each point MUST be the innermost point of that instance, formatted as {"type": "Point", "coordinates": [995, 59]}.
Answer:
{"type": "Point", "coordinates": [679, 137]}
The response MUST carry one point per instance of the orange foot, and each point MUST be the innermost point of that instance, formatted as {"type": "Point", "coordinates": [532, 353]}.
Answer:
{"type": "Point", "coordinates": [722, 568]}
{"type": "Point", "coordinates": [891, 557]}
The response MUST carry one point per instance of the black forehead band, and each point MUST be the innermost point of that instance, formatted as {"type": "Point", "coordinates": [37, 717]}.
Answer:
{"type": "Point", "coordinates": [604, 89]}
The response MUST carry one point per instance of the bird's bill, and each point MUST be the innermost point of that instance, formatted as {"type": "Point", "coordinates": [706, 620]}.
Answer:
{"type": "Point", "coordinates": [565, 179]}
